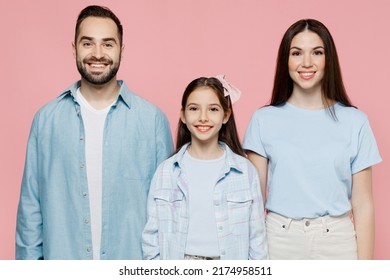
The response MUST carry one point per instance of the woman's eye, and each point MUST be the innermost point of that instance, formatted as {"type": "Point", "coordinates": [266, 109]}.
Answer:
{"type": "Point", "coordinates": [214, 109]}
{"type": "Point", "coordinates": [318, 52]}
{"type": "Point", "coordinates": [192, 108]}
{"type": "Point", "coordinates": [295, 53]}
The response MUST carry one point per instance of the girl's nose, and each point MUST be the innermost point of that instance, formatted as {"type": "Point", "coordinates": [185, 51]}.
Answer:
{"type": "Point", "coordinates": [203, 116]}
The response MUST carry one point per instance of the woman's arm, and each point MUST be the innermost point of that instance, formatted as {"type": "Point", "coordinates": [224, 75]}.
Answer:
{"type": "Point", "coordinates": [363, 213]}
{"type": "Point", "coordinates": [261, 164]}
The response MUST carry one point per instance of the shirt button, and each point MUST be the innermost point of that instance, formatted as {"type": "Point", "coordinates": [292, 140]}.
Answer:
{"type": "Point", "coordinates": [89, 249]}
{"type": "Point", "coordinates": [220, 227]}
{"type": "Point", "coordinates": [307, 223]}
{"type": "Point", "coordinates": [85, 194]}
{"type": "Point", "coordinates": [86, 221]}
{"type": "Point", "coordinates": [81, 138]}
{"type": "Point", "coordinates": [223, 252]}
{"type": "Point", "coordinates": [82, 165]}
{"type": "Point", "coordinates": [216, 203]}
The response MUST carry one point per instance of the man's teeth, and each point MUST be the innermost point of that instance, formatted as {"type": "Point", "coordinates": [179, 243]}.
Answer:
{"type": "Point", "coordinates": [98, 65]}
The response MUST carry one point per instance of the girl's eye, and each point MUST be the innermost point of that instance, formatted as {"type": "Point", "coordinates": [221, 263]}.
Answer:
{"type": "Point", "coordinates": [214, 109]}
{"type": "Point", "coordinates": [295, 53]}
{"type": "Point", "coordinates": [192, 108]}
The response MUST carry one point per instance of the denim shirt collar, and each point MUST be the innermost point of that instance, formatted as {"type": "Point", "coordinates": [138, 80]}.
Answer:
{"type": "Point", "coordinates": [124, 93]}
{"type": "Point", "coordinates": [231, 162]}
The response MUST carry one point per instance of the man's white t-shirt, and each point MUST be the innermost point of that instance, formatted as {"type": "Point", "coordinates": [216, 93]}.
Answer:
{"type": "Point", "coordinates": [93, 121]}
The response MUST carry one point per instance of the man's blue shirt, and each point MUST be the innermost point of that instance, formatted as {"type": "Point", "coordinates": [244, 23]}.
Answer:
{"type": "Point", "coordinates": [53, 220]}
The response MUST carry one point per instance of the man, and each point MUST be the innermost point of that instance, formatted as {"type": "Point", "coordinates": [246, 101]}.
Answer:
{"type": "Point", "coordinates": [90, 157]}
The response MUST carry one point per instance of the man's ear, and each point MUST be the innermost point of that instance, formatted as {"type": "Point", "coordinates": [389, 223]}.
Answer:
{"type": "Point", "coordinates": [122, 50]}
{"type": "Point", "coordinates": [74, 49]}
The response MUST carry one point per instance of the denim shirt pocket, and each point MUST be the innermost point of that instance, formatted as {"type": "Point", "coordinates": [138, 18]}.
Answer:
{"type": "Point", "coordinates": [239, 205]}
{"type": "Point", "coordinates": [169, 205]}
{"type": "Point", "coordinates": [138, 159]}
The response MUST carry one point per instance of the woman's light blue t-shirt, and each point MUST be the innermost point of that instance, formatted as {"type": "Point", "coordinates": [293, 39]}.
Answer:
{"type": "Point", "coordinates": [312, 157]}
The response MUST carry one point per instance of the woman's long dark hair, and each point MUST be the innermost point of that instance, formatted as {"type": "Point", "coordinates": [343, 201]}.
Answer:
{"type": "Point", "coordinates": [332, 83]}
{"type": "Point", "coordinates": [228, 132]}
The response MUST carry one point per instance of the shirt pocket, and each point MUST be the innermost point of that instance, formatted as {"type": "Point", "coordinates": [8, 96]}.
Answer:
{"type": "Point", "coordinates": [239, 206]}
{"type": "Point", "coordinates": [138, 159]}
{"type": "Point", "coordinates": [170, 204]}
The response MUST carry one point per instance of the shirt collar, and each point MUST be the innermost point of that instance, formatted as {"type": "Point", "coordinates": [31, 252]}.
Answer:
{"type": "Point", "coordinates": [230, 163]}
{"type": "Point", "coordinates": [124, 93]}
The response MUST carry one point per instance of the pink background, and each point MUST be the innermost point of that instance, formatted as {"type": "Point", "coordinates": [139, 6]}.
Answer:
{"type": "Point", "coordinates": [171, 42]}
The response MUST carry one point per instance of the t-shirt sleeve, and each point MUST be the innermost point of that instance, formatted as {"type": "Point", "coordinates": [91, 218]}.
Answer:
{"type": "Point", "coordinates": [367, 150]}
{"type": "Point", "coordinates": [252, 139]}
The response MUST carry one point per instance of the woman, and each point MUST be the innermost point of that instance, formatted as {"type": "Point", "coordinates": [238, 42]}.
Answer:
{"type": "Point", "coordinates": [314, 151]}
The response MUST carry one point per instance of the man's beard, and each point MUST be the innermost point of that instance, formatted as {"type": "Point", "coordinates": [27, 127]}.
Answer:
{"type": "Point", "coordinates": [98, 79]}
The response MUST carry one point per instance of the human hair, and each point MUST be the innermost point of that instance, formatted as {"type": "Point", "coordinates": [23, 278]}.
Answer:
{"type": "Point", "coordinates": [101, 12]}
{"type": "Point", "coordinates": [332, 85]}
{"type": "Point", "coordinates": [228, 132]}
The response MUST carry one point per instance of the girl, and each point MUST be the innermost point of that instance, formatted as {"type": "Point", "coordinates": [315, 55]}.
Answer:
{"type": "Point", "coordinates": [205, 201]}
{"type": "Point", "coordinates": [317, 150]}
